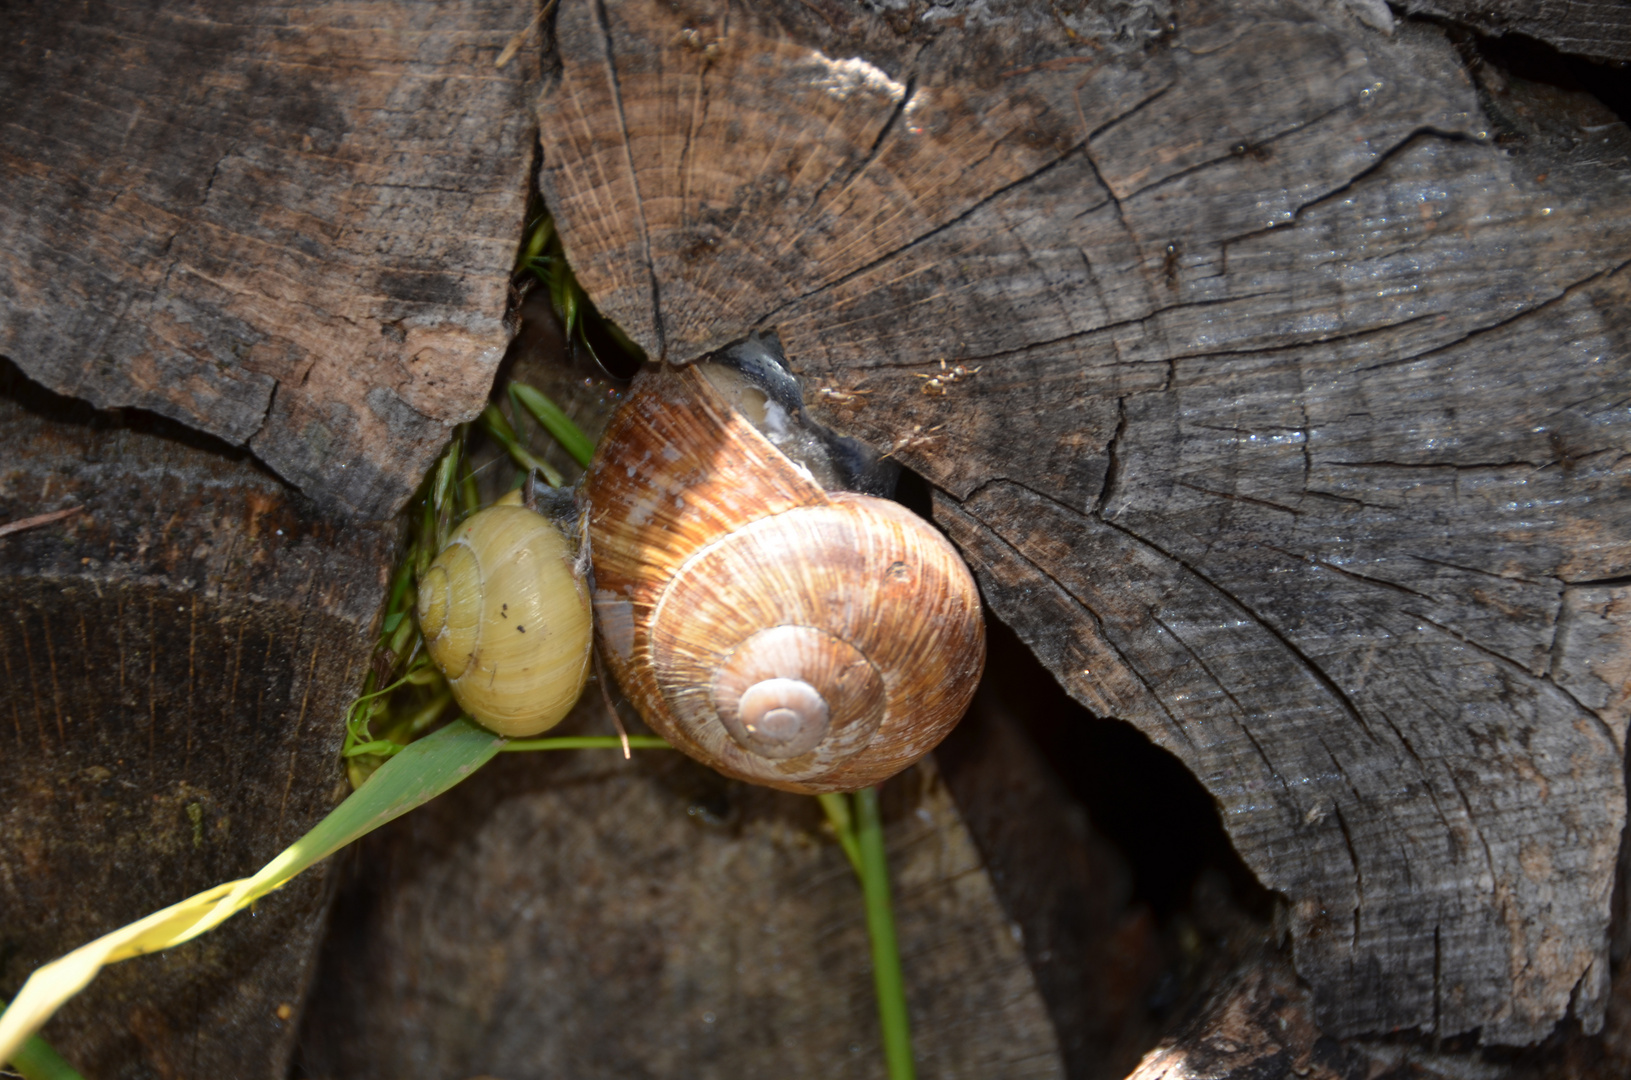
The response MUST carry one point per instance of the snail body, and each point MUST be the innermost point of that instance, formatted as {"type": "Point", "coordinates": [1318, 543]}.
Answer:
{"type": "Point", "coordinates": [784, 634]}
{"type": "Point", "coordinates": [506, 619]}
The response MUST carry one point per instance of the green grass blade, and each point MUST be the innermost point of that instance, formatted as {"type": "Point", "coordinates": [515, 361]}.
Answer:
{"type": "Point", "coordinates": [419, 773]}
{"type": "Point", "coordinates": [553, 420]}
{"type": "Point", "coordinates": [496, 426]}
{"type": "Point", "coordinates": [586, 742]}
{"type": "Point", "coordinates": [563, 294]}
{"type": "Point", "coordinates": [880, 923]}
{"type": "Point", "coordinates": [447, 474]}
{"type": "Point", "coordinates": [843, 826]}
{"type": "Point", "coordinates": [538, 238]}
{"type": "Point", "coordinates": [35, 1060]}
{"type": "Point", "coordinates": [469, 494]}
{"type": "Point", "coordinates": [415, 775]}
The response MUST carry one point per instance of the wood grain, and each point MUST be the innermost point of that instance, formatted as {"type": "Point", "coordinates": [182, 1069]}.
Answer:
{"type": "Point", "coordinates": [1595, 28]}
{"type": "Point", "coordinates": [289, 225]}
{"type": "Point", "coordinates": [576, 915]}
{"type": "Point", "coordinates": [1093, 948]}
{"type": "Point", "coordinates": [174, 659]}
{"type": "Point", "coordinates": [1291, 425]}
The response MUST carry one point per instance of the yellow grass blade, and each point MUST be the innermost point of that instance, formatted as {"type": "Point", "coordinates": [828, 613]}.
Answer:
{"type": "Point", "coordinates": [418, 774]}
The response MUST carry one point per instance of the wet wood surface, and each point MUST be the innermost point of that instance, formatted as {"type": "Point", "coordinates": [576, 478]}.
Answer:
{"type": "Point", "coordinates": [1275, 392]}
{"type": "Point", "coordinates": [290, 225]}
{"type": "Point", "coordinates": [175, 656]}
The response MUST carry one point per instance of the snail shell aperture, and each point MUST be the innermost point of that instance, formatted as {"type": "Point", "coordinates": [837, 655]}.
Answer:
{"type": "Point", "coordinates": [786, 635]}
{"type": "Point", "coordinates": [507, 621]}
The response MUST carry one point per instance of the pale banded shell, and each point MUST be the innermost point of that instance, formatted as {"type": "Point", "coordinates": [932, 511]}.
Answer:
{"type": "Point", "coordinates": [507, 621]}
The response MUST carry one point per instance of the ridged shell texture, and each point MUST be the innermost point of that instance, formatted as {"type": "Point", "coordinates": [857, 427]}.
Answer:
{"type": "Point", "coordinates": [507, 621]}
{"type": "Point", "coordinates": [807, 640]}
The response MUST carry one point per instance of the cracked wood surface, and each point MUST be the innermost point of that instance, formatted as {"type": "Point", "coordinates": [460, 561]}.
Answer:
{"type": "Point", "coordinates": [289, 225]}
{"type": "Point", "coordinates": [174, 659]}
{"type": "Point", "coordinates": [1596, 28]}
{"type": "Point", "coordinates": [579, 915]}
{"type": "Point", "coordinates": [1291, 425]}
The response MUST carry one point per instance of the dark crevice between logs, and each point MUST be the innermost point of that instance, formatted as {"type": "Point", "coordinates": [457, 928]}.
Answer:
{"type": "Point", "coordinates": [1141, 797]}
{"type": "Point", "coordinates": [1143, 927]}
{"type": "Point", "coordinates": [1533, 93]}
{"type": "Point", "coordinates": [1109, 856]}
{"type": "Point", "coordinates": [537, 326]}
{"type": "Point", "coordinates": [46, 404]}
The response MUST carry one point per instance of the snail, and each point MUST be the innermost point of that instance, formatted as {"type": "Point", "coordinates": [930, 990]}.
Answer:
{"type": "Point", "coordinates": [785, 634]}
{"type": "Point", "coordinates": [506, 619]}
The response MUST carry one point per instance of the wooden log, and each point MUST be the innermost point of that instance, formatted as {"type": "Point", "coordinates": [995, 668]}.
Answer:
{"type": "Point", "coordinates": [1094, 951]}
{"type": "Point", "coordinates": [578, 915]}
{"type": "Point", "coordinates": [290, 225]}
{"type": "Point", "coordinates": [1278, 405]}
{"type": "Point", "coordinates": [1601, 30]}
{"type": "Point", "coordinates": [1258, 1023]}
{"type": "Point", "coordinates": [175, 656]}
{"type": "Point", "coordinates": [1255, 305]}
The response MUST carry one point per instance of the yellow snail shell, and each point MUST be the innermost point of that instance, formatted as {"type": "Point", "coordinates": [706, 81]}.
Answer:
{"type": "Point", "coordinates": [507, 621]}
{"type": "Point", "coordinates": [785, 635]}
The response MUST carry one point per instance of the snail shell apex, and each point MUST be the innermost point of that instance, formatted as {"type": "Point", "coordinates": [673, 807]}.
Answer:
{"type": "Point", "coordinates": [785, 635]}
{"type": "Point", "coordinates": [507, 621]}
{"type": "Point", "coordinates": [775, 717]}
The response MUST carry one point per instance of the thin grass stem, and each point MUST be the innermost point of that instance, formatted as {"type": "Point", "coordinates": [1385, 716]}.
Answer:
{"type": "Point", "coordinates": [377, 748]}
{"type": "Point", "coordinates": [554, 420]}
{"type": "Point", "coordinates": [586, 742]}
{"type": "Point", "coordinates": [498, 427]}
{"type": "Point", "coordinates": [880, 923]}
{"type": "Point", "coordinates": [843, 826]}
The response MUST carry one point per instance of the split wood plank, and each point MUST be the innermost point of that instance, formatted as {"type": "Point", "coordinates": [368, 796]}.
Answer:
{"type": "Point", "coordinates": [1595, 28]}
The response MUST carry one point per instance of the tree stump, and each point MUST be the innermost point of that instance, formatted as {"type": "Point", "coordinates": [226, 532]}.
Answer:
{"type": "Point", "coordinates": [174, 657]}
{"type": "Point", "coordinates": [1276, 395]}
{"type": "Point", "coordinates": [579, 915]}
{"type": "Point", "coordinates": [288, 225]}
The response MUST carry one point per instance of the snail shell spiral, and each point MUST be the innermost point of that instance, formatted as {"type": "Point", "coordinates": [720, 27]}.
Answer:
{"type": "Point", "coordinates": [507, 621]}
{"type": "Point", "coordinates": [786, 635]}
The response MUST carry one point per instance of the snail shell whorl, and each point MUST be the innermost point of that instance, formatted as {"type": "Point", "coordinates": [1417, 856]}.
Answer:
{"type": "Point", "coordinates": [507, 621]}
{"type": "Point", "coordinates": [808, 640]}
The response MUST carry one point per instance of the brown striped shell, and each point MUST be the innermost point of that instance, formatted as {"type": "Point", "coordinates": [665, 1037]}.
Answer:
{"type": "Point", "coordinates": [785, 635]}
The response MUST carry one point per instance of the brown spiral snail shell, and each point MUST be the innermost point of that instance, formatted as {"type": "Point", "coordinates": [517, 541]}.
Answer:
{"type": "Point", "coordinates": [787, 635]}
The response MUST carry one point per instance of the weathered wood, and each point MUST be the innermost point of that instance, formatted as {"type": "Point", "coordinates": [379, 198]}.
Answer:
{"type": "Point", "coordinates": [1093, 951]}
{"type": "Point", "coordinates": [1258, 1023]}
{"type": "Point", "coordinates": [576, 915]}
{"type": "Point", "coordinates": [1291, 426]}
{"type": "Point", "coordinates": [290, 225]}
{"type": "Point", "coordinates": [174, 659]}
{"type": "Point", "coordinates": [1597, 28]}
